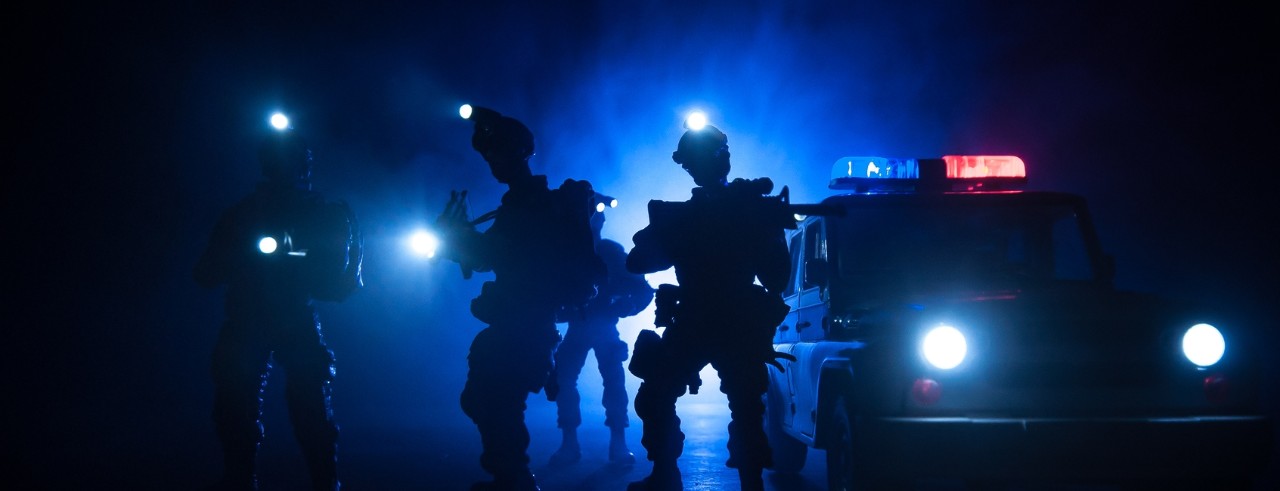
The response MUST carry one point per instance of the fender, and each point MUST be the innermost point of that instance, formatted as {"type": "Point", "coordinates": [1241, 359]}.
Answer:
{"type": "Point", "coordinates": [836, 377]}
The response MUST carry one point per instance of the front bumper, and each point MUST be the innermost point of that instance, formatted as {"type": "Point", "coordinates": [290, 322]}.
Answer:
{"type": "Point", "coordinates": [1070, 448]}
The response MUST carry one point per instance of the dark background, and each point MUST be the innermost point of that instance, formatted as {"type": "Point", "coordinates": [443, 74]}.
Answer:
{"type": "Point", "coordinates": [133, 126]}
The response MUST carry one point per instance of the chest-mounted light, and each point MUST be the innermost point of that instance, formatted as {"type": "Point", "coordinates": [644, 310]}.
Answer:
{"type": "Point", "coordinates": [950, 173]}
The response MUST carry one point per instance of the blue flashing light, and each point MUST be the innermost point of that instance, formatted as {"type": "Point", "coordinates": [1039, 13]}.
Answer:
{"type": "Point", "coordinates": [950, 173]}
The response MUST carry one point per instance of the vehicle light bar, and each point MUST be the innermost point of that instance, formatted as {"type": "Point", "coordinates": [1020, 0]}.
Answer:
{"type": "Point", "coordinates": [950, 173]}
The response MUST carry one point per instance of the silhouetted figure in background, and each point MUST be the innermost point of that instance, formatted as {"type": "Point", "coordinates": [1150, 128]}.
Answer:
{"type": "Point", "coordinates": [719, 242]}
{"type": "Point", "coordinates": [594, 327]}
{"type": "Point", "coordinates": [277, 251]}
{"type": "Point", "coordinates": [539, 249]}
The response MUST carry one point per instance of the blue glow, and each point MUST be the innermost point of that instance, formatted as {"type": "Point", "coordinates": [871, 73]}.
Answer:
{"type": "Point", "coordinates": [874, 168]}
{"type": "Point", "coordinates": [465, 111]}
{"type": "Point", "coordinates": [279, 121]}
{"type": "Point", "coordinates": [267, 245]}
{"type": "Point", "coordinates": [424, 243]}
{"type": "Point", "coordinates": [944, 347]}
{"type": "Point", "coordinates": [696, 120]}
{"type": "Point", "coordinates": [1203, 344]}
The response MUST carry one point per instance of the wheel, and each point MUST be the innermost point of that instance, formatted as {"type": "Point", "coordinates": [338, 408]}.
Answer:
{"type": "Point", "coordinates": [789, 454]}
{"type": "Point", "coordinates": [850, 464]}
{"type": "Point", "coordinates": [840, 461]}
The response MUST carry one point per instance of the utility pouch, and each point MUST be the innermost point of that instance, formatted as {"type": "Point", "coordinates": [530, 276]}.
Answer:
{"type": "Point", "coordinates": [646, 355]}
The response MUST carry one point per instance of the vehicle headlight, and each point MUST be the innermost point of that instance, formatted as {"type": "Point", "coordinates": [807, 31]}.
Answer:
{"type": "Point", "coordinates": [1203, 345]}
{"type": "Point", "coordinates": [944, 347]}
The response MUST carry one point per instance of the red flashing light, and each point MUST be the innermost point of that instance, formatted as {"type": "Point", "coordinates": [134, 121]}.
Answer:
{"type": "Point", "coordinates": [963, 173]}
{"type": "Point", "coordinates": [926, 391]}
{"type": "Point", "coordinates": [1216, 388]}
{"type": "Point", "coordinates": [979, 166]}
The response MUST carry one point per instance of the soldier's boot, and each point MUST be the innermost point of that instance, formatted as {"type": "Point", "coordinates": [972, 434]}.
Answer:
{"type": "Point", "coordinates": [322, 463]}
{"type": "Point", "coordinates": [618, 451]}
{"type": "Point", "coordinates": [516, 481]}
{"type": "Point", "coordinates": [751, 479]}
{"type": "Point", "coordinates": [665, 477]}
{"type": "Point", "coordinates": [569, 452]}
{"type": "Point", "coordinates": [239, 470]}
{"type": "Point", "coordinates": [324, 476]}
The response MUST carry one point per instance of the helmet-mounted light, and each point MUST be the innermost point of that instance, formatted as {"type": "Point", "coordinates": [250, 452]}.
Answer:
{"type": "Point", "coordinates": [701, 141]}
{"type": "Point", "coordinates": [948, 173]}
{"type": "Point", "coordinates": [602, 202]}
{"type": "Point", "coordinates": [284, 155]}
{"type": "Point", "coordinates": [279, 121]}
{"type": "Point", "coordinates": [696, 120]}
{"type": "Point", "coordinates": [267, 245]}
{"type": "Point", "coordinates": [495, 132]}
{"type": "Point", "coordinates": [479, 115]}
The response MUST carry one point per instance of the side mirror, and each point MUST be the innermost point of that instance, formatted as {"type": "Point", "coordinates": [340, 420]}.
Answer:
{"type": "Point", "coordinates": [815, 273]}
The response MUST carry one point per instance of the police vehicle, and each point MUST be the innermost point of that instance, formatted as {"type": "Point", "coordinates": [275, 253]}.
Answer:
{"type": "Point", "coordinates": [953, 324]}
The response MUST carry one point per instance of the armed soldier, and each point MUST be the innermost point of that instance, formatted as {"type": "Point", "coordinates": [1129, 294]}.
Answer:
{"type": "Point", "coordinates": [540, 251]}
{"type": "Point", "coordinates": [277, 251]}
{"type": "Point", "coordinates": [720, 241]}
{"type": "Point", "coordinates": [594, 327]}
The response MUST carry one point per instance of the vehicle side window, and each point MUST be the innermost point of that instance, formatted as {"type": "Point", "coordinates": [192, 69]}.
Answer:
{"type": "Point", "coordinates": [1071, 259]}
{"type": "Point", "coordinates": [815, 247]}
{"type": "Point", "coordinates": [796, 251]}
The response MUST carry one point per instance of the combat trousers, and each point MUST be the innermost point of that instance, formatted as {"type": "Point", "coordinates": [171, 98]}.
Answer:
{"type": "Point", "coordinates": [506, 364]}
{"type": "Point", "coordinates": [743, 379]}
{"type": "Point", "coordinates": [601, 337]}
{"type": "Point", "coordinates": [244, 356]}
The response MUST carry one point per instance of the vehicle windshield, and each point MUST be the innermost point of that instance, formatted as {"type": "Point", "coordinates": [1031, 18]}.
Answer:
{"type": "Point", "coordinates": [978, 246]}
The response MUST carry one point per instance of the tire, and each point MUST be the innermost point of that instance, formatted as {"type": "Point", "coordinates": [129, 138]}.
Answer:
{"type": "Point", "coordinates": [850, 466]}
{"type": "Point", "coordinates": [789, 454]}
{"type": "Point", "coordinates": [840, 461]}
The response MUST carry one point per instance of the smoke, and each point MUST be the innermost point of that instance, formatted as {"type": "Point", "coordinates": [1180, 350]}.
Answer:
{"type": "Point", "coordinates": [604, 87]}
{"type": "Point", "coordinates": [147, 124]}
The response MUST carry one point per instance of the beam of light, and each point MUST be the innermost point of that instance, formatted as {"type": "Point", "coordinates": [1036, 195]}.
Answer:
{"type": "Point", "coordinates": [424, 243]}
{"type": "Point", "coordinates": [279, 121]}
{"type": "Point", "coordinates": [1203, 344]}
{"type": "Point", "coordinates": [696, 120]}
{"type": "Point", "coordinates": [465, 111]}
{"type": "Point", "coordinates": [267, 245]}
{"type": "Point", "coordinates": [944, 347]}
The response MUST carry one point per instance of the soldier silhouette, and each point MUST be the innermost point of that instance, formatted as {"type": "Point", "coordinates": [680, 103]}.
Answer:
{"type": "Point", "coordinates": [278, 250]}
{"type": "Point", "coordinates": [594, 327]}
{"type": "Point", "coordinates": [540, 251]}
{"type": "Point", "coordinates": [721, 241]}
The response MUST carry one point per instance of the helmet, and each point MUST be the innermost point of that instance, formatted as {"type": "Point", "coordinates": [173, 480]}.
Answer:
{"type": "Point", "coordinates": [503, 136]}
{"type": "Point", "coordinates": [708, 142]}
{"type": "Point", "coordinates": [285, 158]}
{"type": "Point", "coordinates": [704, 153]}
